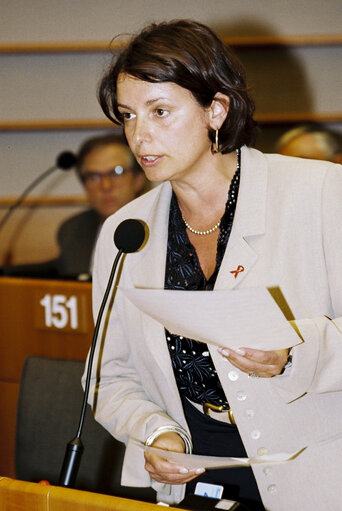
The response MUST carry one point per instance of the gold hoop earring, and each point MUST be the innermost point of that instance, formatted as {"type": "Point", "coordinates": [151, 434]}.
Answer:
{"type": "Point", "coordinates": [215, 148]}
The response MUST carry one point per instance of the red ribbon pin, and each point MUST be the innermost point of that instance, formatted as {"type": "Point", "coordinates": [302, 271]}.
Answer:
{"type": "Point", "coordinates": [238, 270]}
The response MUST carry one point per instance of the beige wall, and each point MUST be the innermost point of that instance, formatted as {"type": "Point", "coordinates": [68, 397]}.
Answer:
{"type": "Point", "coordinates": [63, 86]}
{"type": "Point", "coordinates": [42, 20]}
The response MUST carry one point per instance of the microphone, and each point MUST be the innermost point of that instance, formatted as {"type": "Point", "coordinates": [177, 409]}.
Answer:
{"type": "Point", "coordinates": [129, 236]}
{"type": "Point", "coordinates": [64, 161]}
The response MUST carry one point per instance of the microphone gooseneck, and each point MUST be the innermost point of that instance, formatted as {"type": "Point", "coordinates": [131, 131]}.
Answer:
{"type": "Point", "coordinates": [64, 161]}
{"type": "Point", "coordinates": [129, 237]}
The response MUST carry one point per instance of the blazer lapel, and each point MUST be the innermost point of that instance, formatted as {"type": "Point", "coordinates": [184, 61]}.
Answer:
{"type": "Point", "coordinates": [249, 220]}
{"type": "Point", "coordinates": [149, 273]}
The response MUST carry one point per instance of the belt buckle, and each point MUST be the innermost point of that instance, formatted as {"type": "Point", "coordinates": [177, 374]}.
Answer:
{"type": "Point", "coordinates": [218, 409]}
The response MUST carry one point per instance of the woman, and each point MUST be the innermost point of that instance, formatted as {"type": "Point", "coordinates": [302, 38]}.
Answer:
{"type": "Point", "coordinates": [224, 216]}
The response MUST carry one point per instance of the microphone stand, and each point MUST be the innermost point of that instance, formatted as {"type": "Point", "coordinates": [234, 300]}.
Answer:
{"type": "Point", "coordinates": [74, 449]}
{"type": "Point", "coordinates": [65, 161]}
{"type": "Point", "coordinates": [25, 193]}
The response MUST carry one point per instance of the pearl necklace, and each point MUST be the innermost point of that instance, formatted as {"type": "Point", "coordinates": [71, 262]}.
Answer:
{"type": "Point", "coordinates": [202, 233]}
{"type": "Point", "coordinates": [216, 226]}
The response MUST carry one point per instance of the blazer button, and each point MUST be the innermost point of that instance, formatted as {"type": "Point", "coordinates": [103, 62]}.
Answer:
{"type": "Point", "coordinates": [255, 434]}
{"type": "Point", "coordinates": [233, 375]}
{"type": "Point", "coordinates": [241, 395]}
{"type": "Point", "coordinates": [250, 413]}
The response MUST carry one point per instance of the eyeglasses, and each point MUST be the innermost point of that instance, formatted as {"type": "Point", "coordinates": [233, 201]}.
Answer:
{"type": "Point", "coordinates": [94, 179]}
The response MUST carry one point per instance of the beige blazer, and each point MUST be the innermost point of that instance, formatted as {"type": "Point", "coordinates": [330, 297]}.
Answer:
{"type": "Point", "coordinates": [287, 231]}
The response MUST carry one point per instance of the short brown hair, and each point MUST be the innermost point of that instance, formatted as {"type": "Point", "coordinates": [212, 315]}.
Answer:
{"type": "Point", "coordinates": [191, 55]}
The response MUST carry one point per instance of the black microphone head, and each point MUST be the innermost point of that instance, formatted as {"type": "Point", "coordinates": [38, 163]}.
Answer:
{"type": "Point", "coordinates": [66, 160]}
{"type": "Point", "coordinates": [130, 235]}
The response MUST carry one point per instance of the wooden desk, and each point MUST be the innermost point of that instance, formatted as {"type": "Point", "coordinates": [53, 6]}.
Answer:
{"type": "Point", "coordinates": [37, 317]}
{"type": "Point", "coordinates": [23, 496]}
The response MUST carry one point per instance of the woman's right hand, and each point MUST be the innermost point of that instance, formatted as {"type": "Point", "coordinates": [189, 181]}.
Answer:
{"type": "Point", "coordinates": [164, 471]}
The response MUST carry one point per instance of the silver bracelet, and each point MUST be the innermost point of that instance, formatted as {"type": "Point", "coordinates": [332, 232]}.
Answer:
{"type": "Point", "coordinates": [174, 429]}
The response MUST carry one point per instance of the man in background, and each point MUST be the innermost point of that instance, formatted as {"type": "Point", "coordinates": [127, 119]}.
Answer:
{"type": "Point", "coordinates": [111, 177]}
{"type": "Point", "coordinates": [313, 142]}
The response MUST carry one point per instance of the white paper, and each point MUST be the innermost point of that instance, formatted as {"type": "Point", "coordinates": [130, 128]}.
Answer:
{"type": "Point", "coordinates": [232, 318]}
{"type": "Point", "coordinates": [194, 461]}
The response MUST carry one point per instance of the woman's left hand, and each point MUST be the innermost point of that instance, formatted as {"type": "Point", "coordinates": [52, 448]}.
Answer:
{"type": "Point", "coordinates": [263, 364]}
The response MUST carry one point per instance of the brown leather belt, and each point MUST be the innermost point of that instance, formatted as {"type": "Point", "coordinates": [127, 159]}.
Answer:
{"type": "Point", "coordinates": [215, 412]}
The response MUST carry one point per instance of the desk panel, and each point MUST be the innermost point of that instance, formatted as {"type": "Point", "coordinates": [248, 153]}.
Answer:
{"type": "Point", "coordinates": [27, 327]}
{"type": "Point", "coordinates": [43, 318]}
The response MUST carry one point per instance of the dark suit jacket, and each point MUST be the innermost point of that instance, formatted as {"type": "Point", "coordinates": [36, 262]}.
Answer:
{"type": "Point", "coordinates": [76, 239]}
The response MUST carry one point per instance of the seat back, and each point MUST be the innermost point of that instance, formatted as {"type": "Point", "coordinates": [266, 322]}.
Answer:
{"type": "Point", "coordinates": [49, 406]}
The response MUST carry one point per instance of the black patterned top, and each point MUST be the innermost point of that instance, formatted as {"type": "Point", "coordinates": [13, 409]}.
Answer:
{"type": "Point", "coordinates": [192, 364]}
